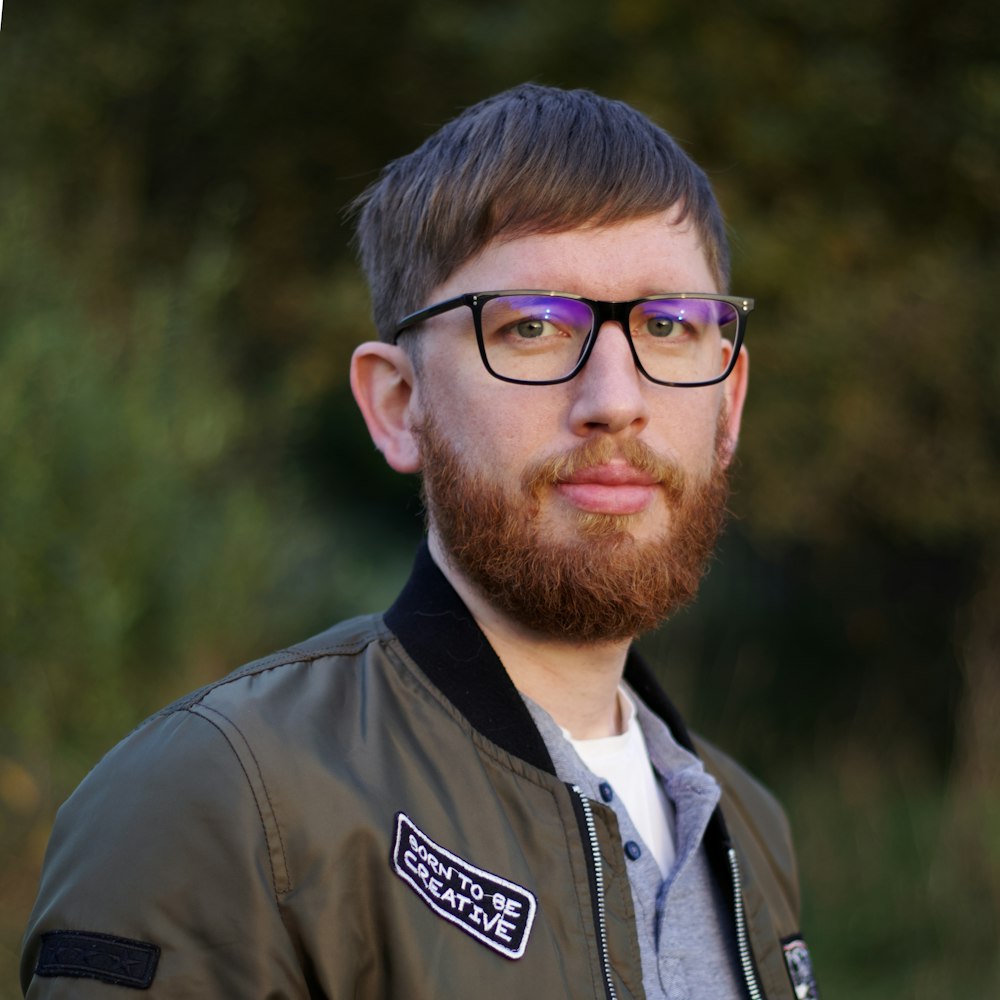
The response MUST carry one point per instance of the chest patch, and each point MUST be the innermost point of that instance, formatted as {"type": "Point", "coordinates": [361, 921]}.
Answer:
{"type": "Point", "coordinates": [494, 911]}
{"type": "Point", "coordinates": [800, 969]}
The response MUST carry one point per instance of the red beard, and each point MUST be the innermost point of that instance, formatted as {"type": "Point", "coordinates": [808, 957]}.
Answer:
{"type": "Point", "coordinates": [603, 585]}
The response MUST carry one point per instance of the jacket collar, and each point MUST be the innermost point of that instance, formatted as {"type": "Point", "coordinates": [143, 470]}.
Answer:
{"type": "Point", "coordinates": [440, 634]}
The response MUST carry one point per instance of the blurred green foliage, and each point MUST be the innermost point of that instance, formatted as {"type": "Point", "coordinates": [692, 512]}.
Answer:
{"type": "Point", "coordinates": [185, 482]}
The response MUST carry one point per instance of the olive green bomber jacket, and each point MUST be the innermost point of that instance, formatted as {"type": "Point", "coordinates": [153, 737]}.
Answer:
{"type": "Point", "coordinates": [372, 814]}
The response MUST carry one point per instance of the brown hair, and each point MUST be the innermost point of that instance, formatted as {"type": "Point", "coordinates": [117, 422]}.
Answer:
{"type": "Point", "coordinates": [530, 160]}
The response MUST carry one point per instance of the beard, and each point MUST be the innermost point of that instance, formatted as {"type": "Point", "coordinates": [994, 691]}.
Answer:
{"type": "Point", "coordinates": [600, 585]}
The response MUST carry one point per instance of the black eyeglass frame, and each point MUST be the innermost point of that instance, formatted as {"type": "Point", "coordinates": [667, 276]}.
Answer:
{"type": "Point", "coordinates": [603, 311]}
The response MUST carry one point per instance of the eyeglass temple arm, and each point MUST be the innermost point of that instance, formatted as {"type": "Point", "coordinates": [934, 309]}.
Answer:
{"type": "Point", "coordinates": [431, 311]}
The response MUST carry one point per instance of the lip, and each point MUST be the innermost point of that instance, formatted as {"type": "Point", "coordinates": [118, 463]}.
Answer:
{"type": "Point", "coordinates": [611, 474]}
{"type": "Point", "coordinates": [615, 488]}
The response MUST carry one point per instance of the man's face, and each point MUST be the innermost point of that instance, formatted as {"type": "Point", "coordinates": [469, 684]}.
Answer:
{"type": "Point", "coordinates": [604, 492]}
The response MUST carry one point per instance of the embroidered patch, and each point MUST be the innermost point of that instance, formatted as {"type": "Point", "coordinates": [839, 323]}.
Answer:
{"type": "Point", "coordinates": [494, 911]}
{"type": "Point", "coordinates": [82, 955]}
{"type": "Point", "coordinates": [800, 969]}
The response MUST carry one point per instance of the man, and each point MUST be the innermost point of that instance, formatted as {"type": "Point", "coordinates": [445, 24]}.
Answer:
{"type": "Point", "coordinates": [482, 792]}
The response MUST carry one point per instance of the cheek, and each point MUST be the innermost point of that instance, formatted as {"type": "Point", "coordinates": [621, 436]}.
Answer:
{"type": "Point", "coordinates": [474, 427]}
{"type": "Point", "coordinates": [685, 427]}
{"type": "Point", "coordinates": [490, 422]}
{"type": "Point", "coordinates": [501, 439]}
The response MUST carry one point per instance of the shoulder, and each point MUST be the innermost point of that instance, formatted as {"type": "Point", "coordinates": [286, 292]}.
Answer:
{"type": "Point", "coordinates": [193, 824]}
{"type": "Point", "coordinates": [210, 781]}
{"type": "Point", "coordinates": [279, 690]}
{"type": "Point", "coordinates": [223, 747]}
{"type": "Point", "coordinates": [324, 657]}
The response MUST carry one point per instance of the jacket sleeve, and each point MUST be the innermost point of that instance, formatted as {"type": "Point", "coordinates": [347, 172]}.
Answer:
{"type": "Point", "coordinates": [159, 876]}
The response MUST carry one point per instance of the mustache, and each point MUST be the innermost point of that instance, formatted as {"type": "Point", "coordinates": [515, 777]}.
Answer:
{"type": "Point", "coordinates": [602, 451]}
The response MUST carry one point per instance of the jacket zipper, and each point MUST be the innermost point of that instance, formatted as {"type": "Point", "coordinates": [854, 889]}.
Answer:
{"type": "Point", "coordinates": [742, 939]}
{"type": "Point", "coordinates": [595, 856]}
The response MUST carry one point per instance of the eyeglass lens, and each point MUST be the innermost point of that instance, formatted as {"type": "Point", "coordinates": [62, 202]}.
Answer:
{"type": "Point", "coordinates": [541, 337]}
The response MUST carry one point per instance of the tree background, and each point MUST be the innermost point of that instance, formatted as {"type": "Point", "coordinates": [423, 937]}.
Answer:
{"type": "Point", "coordinates": [184, 482]}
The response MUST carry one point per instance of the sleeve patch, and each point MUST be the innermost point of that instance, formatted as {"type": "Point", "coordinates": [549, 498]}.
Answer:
{"type": "Point", "coordinates": [84, 955]}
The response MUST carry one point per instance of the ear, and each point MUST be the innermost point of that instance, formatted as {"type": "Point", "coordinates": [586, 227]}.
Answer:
{"type": "Point", "coordinates": [383, 384]}
{"type": "Point", "coordinates": [734, 391]}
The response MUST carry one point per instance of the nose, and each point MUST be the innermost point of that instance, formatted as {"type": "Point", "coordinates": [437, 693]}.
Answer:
{"type": "Point", "coordinates": [610, 391]}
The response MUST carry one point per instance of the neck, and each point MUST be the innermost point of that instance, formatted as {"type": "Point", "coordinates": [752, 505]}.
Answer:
{"type": "Point", "coordinates": [576, 683]}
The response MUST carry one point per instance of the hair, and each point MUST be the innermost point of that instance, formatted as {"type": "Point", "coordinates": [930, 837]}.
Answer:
{"type": "Point", "coordinates": [529, 160]}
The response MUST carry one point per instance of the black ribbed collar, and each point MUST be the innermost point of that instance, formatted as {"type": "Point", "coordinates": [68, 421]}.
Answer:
{"type": "Point", "coordinates": [440, 634]}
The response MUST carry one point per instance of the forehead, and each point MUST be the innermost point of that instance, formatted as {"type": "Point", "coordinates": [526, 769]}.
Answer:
{"type": "Point", "coordinates": [624, 261]}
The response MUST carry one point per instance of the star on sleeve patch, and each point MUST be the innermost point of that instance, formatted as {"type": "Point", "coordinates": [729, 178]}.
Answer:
{"type": "Point", "coordinates": [496, 912]}
{"type": "Point", "coordinates": [105, 957]}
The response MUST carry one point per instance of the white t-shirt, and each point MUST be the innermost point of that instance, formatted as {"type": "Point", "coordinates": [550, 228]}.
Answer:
{"type": "Point", "coordinates": [623, 762]}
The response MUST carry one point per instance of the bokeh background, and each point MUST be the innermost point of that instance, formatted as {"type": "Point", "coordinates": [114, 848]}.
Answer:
{"type": "Point", "coordinates": [184, 483]}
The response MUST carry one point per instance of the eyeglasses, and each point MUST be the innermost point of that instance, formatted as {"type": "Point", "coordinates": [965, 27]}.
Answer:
{"type": "Point", "coordinates": [542, 338]}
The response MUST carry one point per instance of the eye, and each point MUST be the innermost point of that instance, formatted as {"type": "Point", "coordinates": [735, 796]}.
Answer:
{"type": "Point", "coordinates": [659, 323]}
{"type": "Point", "coordinates": [671, 321]}
{"type": "Point", "coordinates": [534, 321]}
{"type": "Point", "coordinates": [532, 329]}
{"type": "Point", "coordinates": [537, 327]}
{"type": "Point", "coordinates": [662, 326]}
